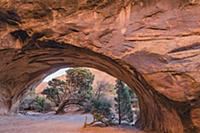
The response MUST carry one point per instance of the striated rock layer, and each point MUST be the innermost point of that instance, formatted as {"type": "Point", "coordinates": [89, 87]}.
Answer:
{"type": "Point", "coordinates": [152, 45]}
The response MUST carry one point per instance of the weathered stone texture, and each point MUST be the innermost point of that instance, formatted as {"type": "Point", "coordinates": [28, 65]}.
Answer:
{"type": "Point", "coordinates": [153, 45]}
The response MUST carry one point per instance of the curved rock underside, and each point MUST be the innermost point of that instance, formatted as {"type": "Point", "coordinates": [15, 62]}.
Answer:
{"type": "Point", "coordinates": [152, 45]}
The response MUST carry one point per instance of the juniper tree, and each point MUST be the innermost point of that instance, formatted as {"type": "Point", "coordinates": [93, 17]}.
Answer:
{"type": "Point", "coordinates": [76, 89]}
{"type": "Point", "coordinates": [123, 102]}
{"type": "Point", "coordinates": [55, 91]}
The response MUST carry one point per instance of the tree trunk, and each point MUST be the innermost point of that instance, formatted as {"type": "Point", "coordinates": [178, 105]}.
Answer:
{"type": "Point", "coordinates": [119, 108]}
{"type": "Point", "coordinates": [61, 107]}
{"type": "Point", "coordinates": [63, 104]}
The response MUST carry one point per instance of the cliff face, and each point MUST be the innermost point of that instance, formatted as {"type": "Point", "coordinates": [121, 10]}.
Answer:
{"type": "Point", "coordinates": [153, 45]}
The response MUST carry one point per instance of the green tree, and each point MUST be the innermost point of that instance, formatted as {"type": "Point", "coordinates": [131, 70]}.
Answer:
{"type": "Point", "coordinates": [76, 89]}
{"type": "Point", "coordinates": [123, 102]}
{"type": "Point", "coordinates": [80, 80]}
{"type": "Point", "coordinates": [55, 91]}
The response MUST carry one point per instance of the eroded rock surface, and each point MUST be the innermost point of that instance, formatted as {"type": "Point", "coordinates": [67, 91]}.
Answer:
{"type": "Point", "coordinates": [153, 45]}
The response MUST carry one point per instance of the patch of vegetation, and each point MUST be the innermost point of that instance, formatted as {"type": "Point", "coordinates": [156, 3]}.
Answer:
{"type": "Point", "coordinates": [101, 111]}
{"type": "Point", "coordinates": [76, 89]}
{"type": "Point", "coordinates": [41, 105]}
{"type": "Point", "coordinates": [36, 103]}
{"type": "Point", "coordinates": [109, 104]}
{"type": "Point", "coordinates": [123, 103]}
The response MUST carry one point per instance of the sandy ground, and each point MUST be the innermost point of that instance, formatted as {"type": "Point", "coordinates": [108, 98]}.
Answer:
{"type": "Point", "coordinates": [49, 123]}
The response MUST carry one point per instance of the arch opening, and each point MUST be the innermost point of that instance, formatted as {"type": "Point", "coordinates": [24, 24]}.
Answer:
{"type": "Point", "coordinates": [104, 89]}
{"type": "Point", "coordinates": [48, 56]}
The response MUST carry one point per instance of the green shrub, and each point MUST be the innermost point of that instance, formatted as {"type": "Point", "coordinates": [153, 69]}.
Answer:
{"type": "Point", "coordinates": [101, 111]}
{"type": "Point", "coordinates": [41, 105]}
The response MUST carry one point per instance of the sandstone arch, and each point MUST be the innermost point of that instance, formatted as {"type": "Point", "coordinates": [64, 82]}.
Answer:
{"type": "Point", "coordinates": [152, 45]}
{"type": "Point", "coordinates": [31, 66]}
